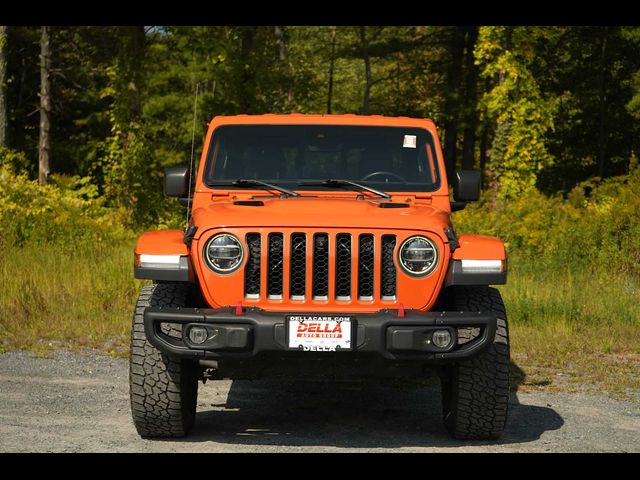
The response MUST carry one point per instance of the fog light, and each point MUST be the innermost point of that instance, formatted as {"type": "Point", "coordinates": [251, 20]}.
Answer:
{"type": "Point", "coordinates": [442, 338]}
{"type": "Point", "coordinates": [198, 335]}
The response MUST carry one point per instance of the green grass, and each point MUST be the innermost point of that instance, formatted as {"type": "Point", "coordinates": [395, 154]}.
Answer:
{"type": "Point", "coordinates": [574, 329]}
{"type": "Point", "coordinates": [570, 297]}
{"type": "Point", "coordinates": [570, 329]}
{"type": "Point", "coordinates": [52, 297]}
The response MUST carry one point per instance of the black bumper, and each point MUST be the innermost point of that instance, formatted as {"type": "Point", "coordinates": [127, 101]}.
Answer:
{"type": "Point", "coordinates": [255, 331]}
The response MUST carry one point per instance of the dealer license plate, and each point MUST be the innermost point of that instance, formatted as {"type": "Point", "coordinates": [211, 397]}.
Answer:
{"type": "Point", "coordinates": [322, 333]}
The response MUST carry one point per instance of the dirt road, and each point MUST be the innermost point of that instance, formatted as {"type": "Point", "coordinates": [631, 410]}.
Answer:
{"type": "Point", "coordinates": [79, 403]}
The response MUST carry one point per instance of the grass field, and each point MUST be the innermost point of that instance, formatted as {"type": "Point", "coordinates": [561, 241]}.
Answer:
{"type": "Point", "coordinates": [574, 329]}
{"type": "Point", "coordinates": [570, 329]}
{"type": "Point", "coordinates": [53, 297]}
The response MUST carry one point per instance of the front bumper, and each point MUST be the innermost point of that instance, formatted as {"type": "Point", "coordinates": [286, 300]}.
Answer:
{"type": "Point", "coordinates": [255, 331]}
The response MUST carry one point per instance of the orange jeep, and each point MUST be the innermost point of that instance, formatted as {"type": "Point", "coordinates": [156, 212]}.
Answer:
{"type": "Point", "coordinates": [320, 245]}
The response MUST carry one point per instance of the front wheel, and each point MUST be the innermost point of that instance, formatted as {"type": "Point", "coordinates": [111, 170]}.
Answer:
{"type": "Point", "coordinates": [163, 390]}
{"type": "Point", "coordinates": [475, 392]}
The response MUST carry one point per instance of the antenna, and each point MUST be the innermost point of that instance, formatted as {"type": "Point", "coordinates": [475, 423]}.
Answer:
{"type": "Point", "coordinates": [193, 143]}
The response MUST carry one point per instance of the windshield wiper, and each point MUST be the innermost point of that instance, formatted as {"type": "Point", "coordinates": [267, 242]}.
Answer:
{"type": "Point", "coordinates": [345, 183]}
{"type": "Point", "coordinates": [244, 182]}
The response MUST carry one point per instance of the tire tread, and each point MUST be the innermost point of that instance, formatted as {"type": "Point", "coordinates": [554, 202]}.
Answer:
{"type": "Point", "coordinates": [163, 390]}
{"type": "Point", "coordinates": [476, 391]}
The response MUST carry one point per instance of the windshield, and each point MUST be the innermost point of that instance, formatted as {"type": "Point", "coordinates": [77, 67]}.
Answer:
{"type": "Point", "coordinates": [387, 158]}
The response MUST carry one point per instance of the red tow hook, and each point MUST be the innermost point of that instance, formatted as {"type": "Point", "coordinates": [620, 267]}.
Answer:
{"type": "Point", "coordinates": [238, 309]}
{"type": "Point", "coordinates": [401, 311]}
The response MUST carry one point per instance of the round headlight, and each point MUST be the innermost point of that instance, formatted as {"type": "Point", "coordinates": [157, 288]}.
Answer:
{"type": "Point", "coordinates": [418, 256]}
{"type": "Point", "coordinates": [223, 253]}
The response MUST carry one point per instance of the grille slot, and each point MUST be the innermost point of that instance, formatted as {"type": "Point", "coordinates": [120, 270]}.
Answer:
{"type": "Point", "coordinates": [298, 265]}
{"type": "Point", "coordinates": [358, 270]}
{"type": "Point", "coordinates": [388, 269]}
{"type": "Point", "coordinates": [252, 270]}
{"type": "Point", "coordinates": [321, 266]}
{"type": "Point", "coordinates": [365, 267]}
{"type": "Point", "coordinates": [275, 266]}
{"type": "Point", "coordinates": [343, 266]}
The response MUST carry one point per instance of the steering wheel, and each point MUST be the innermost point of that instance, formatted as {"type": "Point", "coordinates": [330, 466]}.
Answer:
{"type": "Point", "coordinates": [384, 173]}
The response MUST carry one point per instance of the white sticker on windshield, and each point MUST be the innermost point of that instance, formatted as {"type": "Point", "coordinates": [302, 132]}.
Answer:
{"type": "Point", "coordinates": [409, 141]}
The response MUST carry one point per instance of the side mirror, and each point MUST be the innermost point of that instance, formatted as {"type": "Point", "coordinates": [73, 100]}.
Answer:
{"type": "Point", "coordinates": [466, 186]}
{"type": "Point", "coordinates": [176, 182]}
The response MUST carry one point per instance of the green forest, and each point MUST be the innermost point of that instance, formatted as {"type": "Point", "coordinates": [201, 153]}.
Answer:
{"type": "Point", "coordinates": [90, 116]}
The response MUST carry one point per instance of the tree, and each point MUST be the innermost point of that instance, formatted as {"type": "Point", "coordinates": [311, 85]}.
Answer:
{"type": "Point", "coordinates": [332, 65]}
{"type": "Point", "coordinates": [131, 174]}
{"type": "Point", "coordinates": [282, 45]}
{"type": "Point", "coordinates": [588, 70]}
{"type": "Point", "coordinates": [533, 106]}
{"type": "Point", "coordinates": [133, 40]}
{"type": "Point", "coordinates": [632, 35]}
{"type": "Point", "coordinates": [470, 104]}
{"type": "Point", "coordinates": [3, 88]}
{"type": "Point", "coordinates": [521, 111]}
{"type": "Point", "coordinates": [602, 101]}
{"type": "Point", "coordinates": [44, 148]}
{"type": "Point", "coordinates": [367, 69]}
{"type": "Point", "coordinates": [453, 98]}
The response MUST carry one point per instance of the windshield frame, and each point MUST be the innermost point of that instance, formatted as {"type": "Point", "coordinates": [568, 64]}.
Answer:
{"type": "Point", "coordinates": [430, 144]}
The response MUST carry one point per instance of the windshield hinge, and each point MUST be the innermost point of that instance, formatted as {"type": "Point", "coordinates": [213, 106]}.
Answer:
{"type": "Point", "coordinates": [189, 233]}
{"type": "Point", "coordinates": [453, 240]}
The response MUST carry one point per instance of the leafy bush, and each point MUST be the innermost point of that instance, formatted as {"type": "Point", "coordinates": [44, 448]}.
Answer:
{"type": "Point", "coordinates": [67, 211]}
{"type": "Point", "coordinates": [596, 227]}
{"type": "Point", "coordinates": [14, 159]}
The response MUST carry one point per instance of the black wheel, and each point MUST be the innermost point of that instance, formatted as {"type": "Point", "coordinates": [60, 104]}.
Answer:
{"type": "Point", "coordinates": [163, 390]}
{"type": "Point", "coordinates": [475, 392]}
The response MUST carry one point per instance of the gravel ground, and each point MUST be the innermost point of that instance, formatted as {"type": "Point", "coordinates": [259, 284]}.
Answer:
{"type": "Point", "coordinates": [79, 402]}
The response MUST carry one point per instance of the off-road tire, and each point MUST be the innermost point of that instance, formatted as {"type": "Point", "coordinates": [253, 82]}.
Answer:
{"type": "Point", "coordinates": [475, 392]}
{"type": "Point", "coordinates": [163, 390]}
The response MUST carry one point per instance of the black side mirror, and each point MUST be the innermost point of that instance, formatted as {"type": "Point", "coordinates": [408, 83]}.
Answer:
{"type": "Point", "coordinates": [466, 186]}
{"type": "Point", "coordinates": [176, 182]}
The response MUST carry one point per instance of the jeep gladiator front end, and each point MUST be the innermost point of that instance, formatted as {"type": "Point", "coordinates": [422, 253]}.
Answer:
{"type": "Point", "coordinates": [320, 240]}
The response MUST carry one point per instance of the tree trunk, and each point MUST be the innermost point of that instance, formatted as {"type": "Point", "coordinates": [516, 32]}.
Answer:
{"type": "Point", "coordinates": [247, 91]}
{"type": "Point", "coordinates": [332, 63]}
{"type": "Point", "coordinates": [452, 100]}
{"type": "Point", "coordinates": [367, 69]}
{"type": "Point", "coordinates": [3, 87]}
{"type": "Point", "coordinates": [469, 135]}
{"type": "Point", "coordinates": [602, 109]}
{"type": "Point", "coordinates": [484, 145]}
{"type": "Point", "coordinates": [44, 148]}
{"type": "Point", "coordinates": [282, 47]}
{"type": "Point", "coordinates": [21, 84]}
{"type": "Point", "coordinates": [280, 44]}
{"type": "Point", "coordinates": [134, 54]}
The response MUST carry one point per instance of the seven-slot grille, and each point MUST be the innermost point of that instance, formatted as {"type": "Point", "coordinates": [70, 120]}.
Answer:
{"type": "Point", "coordinates": [298, 254]}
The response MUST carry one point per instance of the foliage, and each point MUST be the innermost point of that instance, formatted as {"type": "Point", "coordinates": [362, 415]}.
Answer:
{"type": "Point", "coordinates": [588, 70]}
{"type": "Point", "coordinates": [132, 177]}
{"type": "Point", "coordinates": [559, 104]}
{"type": "Point", "coordinates": [634, 103]}
{"type": "Point", "coordinates": [516, 103]}
{"type": "Point", "coordinates": [596, 228]}
{"type": "Point", "coordinates": [133, 181]}
{"type": "Point", "coordinates": [632, 35]}
{"type": "Point", "coordinates": [13, 159]}
{"type": "Point", "coordinates": [67, 212]}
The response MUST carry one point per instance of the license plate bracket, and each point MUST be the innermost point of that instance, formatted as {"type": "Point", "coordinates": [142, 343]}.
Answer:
{"type": "Point", "coordinates": [320, 333]}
